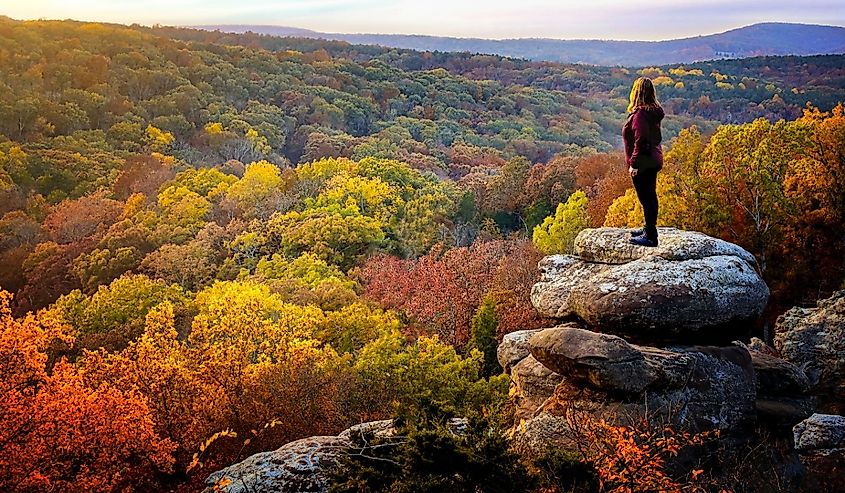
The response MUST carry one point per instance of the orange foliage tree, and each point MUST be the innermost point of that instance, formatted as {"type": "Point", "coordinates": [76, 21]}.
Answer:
{"type": "Point", "coordinates": [602, 177]}
{"type": "Point", "coordinates": [60, 434]}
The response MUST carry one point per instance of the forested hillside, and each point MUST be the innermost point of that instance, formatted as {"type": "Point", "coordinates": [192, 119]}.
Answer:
{"type": "Point", "coordinates": [768, 38]}
{"type": "Point", "coordinates": [746, 91]}
{"type": "Point", "coordinates": [250, 240]}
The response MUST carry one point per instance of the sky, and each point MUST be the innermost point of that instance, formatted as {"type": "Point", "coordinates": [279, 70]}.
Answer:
{"type": "Point", "coordinates": [563, 19]}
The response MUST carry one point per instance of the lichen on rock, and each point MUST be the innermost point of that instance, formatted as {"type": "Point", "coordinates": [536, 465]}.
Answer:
{"type": "Point", "coordinates": [297, 467]}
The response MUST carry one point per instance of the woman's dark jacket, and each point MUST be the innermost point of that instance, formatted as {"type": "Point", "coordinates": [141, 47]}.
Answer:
{"type": "Point", "coordinates": [642, 137]}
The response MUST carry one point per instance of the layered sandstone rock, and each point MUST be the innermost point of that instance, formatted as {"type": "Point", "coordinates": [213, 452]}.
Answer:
{"type": "Point", "coordinates": [814, 340]}
{"type": "Point", "coordinates": [692, 288]}
{"type": "Point", "coordinates": [696, 388]}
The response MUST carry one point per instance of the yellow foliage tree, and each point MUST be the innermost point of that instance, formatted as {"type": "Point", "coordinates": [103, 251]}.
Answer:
{"type": "Point", "coordinates": [557, 233]}
{"type": "Point", "coordinates": [372, 196]}
{"type": "Point", "coordinates": [339, 235]}
{"type": "Point", "coordinates": [249, 358]}
{"type": "Point", "coordinates": [260, 192]}
{"type": "Point", "coordinates": [663, 81]}
{"type": "Point", "coordinates": [627, 212]}
{"type": "Point", "coordinates": [214, 128]}
{"type": "Point", "coordinates": [158, 140]}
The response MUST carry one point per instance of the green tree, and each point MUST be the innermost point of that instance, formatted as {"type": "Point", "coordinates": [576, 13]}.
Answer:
{"type": "Point", "coordinates": [340, 235]}
{"type": "Point", "coordinates": [116, 312]}
{"type": "Point", "coordinates": [483, 335]}
{"type": "Point", "coordinates": [746, 181]}
{"type": "Point", "coordinates": [307, 279]}
{"type": "Point", "coordinates": [183, 214]}
{"type": "Point", "coordinates": [102, 265]}
{"type": "Point", "coordinates": [430, 453]}
{"type": "Point", "coordinates": [426, 372]}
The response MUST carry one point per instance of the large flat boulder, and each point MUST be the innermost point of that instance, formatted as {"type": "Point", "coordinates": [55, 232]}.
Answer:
{"type": "Point", "coordinates": [814, 340]}
{"type": "Point", "coordinates": [691, 289]}
{"type": "Point", "coordinates": [602, 360]}
{"type": "Point", "coordinates": [612, 246]}
{"type": "Point", "coordinates": [559, 275]}
{"type": "Point", "coordinates": [297, 467]}
{"type": "Point", "coordinates": [698, 387]}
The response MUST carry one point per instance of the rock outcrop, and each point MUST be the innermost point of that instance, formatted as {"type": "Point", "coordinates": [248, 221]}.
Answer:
{"type": "Point", "coordinates": [513, 348]}
{"type": "Point", "coordinates": [533, 384]}
{"type": "Point", "coordinates": [297, 467]}
{"type": "Point", "coordinates": [814, 340]}
{"type": "Point", "coordinates": [697, 388]}
{"type": "Point", "coordinates": [820, 432]}
{"type": "Point", "coordinates": [820, 442]}
{"type": "Point", "coordinates": [629, 347]}
{"type": "Point", "coordinates": [301, 466]}
{"type": "Point", "coordinates": [714, 384]}
{"type": "Point", "coordinates": [692, 288]}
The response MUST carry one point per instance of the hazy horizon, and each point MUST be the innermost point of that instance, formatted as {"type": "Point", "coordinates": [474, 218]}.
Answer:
{"type": "Point", "coordinates": [498, 19]}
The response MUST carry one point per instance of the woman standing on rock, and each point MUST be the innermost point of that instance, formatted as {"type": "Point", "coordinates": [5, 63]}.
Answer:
{"type": "Point", "coordinates": [644, 155]}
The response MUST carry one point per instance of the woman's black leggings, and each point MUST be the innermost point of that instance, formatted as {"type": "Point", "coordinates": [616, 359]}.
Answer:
{"type": "Point", "coordinates": [645, 183]}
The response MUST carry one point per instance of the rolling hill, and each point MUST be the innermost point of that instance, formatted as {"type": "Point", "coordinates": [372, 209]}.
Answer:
{"type": "Point", "coordinates": [754, 40]}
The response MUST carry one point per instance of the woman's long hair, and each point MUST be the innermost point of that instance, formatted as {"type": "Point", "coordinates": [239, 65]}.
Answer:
{"type": "Point", "coordinates": [643, 95]}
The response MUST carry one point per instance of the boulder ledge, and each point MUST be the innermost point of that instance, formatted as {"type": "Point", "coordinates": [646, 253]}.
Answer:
{"type": "Point", "coordinates": [301, 466]}
{"type": "Point", "coordinates": [691, 289]}
{"type": "Point", "coordinates": [820, 442]}
{"type": "Point", "coordinates": [652, 333]}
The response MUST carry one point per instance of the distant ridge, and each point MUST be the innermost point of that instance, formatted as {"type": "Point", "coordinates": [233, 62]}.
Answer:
{"type": "Point", "coordinates": [770, 38]}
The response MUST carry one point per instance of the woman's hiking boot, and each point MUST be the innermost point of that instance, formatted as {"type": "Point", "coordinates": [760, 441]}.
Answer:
{"type": "Point", "coordinates": [644, 241]}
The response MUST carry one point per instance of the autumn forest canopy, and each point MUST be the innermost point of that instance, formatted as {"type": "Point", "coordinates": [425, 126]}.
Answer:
{"type": "Point", "coordinates": [254, 239]}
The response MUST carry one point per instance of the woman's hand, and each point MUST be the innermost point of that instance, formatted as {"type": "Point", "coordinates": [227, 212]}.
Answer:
{"type": "Point", "coordinates": [632, 171]}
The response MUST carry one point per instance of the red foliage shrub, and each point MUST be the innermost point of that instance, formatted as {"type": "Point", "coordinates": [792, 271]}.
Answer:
{"type": "Point", "coordinates": [440, 292]}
